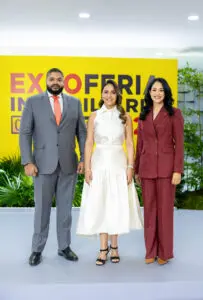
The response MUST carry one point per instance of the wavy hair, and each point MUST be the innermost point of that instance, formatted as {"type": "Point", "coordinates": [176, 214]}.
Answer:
{"type": "Point", "coordinates": [120, 108]}
{"type": "Point", "coordinates": [168, 99]}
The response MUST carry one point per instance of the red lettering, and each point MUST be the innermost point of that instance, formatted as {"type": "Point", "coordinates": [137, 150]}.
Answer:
{"type": "Point", "coordinates": [135, 132]}
{"type": "Point", "coordinates": [136, 121]}
{"type": "Point", "coordinates": [35, 83]}
{"type": "Point", "coordinates": [15, 82]}
{"type": "Point", "coordinates": [78, 83]}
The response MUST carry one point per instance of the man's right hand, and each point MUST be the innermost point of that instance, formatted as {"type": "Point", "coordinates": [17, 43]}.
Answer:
{"type": "Point", "coordinates": [30, 170]}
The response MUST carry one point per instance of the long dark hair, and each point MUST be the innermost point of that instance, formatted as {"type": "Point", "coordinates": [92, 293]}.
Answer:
{"type": "Point", "coordinates": [168, 99]}
{"type": "Point", "coordinates": [122, 115]}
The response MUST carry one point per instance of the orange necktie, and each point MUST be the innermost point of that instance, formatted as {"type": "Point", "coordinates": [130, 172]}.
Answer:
{"type": "Point", "coordinates": [57, 109]}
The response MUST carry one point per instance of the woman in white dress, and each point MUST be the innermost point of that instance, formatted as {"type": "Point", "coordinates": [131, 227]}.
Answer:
{"type": "Point", "coordinates": [110, 204]}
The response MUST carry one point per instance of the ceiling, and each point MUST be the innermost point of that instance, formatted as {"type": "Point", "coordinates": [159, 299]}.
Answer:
{"type": "Point", "coordinates": [116, 27]}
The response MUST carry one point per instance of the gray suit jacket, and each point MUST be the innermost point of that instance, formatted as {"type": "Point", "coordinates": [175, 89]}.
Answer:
{"type": "Point", "coordinates": [43, 142]}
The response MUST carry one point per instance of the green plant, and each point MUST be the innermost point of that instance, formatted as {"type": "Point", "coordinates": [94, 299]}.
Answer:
{"type": "Point", "coordinates": [190, 200]}
{"type": "Point", "coordinates": [11, 164]}
{"type": "Point", "coordinates": [193, 153]}
{"type": "Point", "coordinates": [78, 191]}
{"type": "Point", "coordinates": [192, 81]}
{"type": "Point", "coordinates": [139, 193]}
{"type": "Point", "coordinates": [17, 190]}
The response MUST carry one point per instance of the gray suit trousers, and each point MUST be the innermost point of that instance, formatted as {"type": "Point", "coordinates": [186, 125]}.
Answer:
{"type": "Point", "coordinates": [45, 187]}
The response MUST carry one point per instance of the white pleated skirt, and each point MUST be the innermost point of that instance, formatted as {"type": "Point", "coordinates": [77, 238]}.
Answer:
{"type": "Point", "coordinates": [108, 204]}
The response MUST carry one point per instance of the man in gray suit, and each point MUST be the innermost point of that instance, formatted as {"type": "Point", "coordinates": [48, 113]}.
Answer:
{"type": "Point", "coordinates": [49, 125]}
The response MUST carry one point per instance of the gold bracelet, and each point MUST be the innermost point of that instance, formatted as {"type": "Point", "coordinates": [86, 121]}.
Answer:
{"type": "Point", "coordinates": [130, 166]}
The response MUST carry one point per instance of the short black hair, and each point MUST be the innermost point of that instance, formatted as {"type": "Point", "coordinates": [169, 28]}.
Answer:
{"type": "Point", "coordinates": [56, 70]}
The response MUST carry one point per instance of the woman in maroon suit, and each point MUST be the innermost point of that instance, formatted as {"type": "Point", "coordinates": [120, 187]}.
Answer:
{"type": "Point", "coordinates": [158, 167]}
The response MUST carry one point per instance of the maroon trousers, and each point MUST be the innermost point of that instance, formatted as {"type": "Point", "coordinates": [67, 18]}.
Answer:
{"type": "Point", "coordinates": [158, 197]}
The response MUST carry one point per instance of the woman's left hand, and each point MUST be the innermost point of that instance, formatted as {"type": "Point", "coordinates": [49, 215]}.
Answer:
{"type": "Point", "coordinates": [129, 175]}
{"type": "Point", "coordinates": [176, 178]}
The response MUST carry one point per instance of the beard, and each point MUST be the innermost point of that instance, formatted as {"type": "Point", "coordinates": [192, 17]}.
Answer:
{"type": "Point", "coordinates": [54, 92]}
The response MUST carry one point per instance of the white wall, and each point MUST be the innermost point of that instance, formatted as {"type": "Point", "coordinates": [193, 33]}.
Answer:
{"type": "Point", "coordinates": [195, 60]}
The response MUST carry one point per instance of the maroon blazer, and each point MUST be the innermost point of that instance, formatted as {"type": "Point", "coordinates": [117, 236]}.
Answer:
{"type": "Point", "coordinates": [160, 145]}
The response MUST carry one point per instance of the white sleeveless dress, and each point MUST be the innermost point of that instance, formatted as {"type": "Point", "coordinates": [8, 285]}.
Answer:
{"type": "Point", "coordinates": [108, 204]}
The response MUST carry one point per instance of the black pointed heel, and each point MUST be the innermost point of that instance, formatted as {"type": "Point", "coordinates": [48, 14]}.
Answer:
{"type": "Point", "coordinates": [100, 261]}
{"type": "Point", "coordinates": [114, 259]}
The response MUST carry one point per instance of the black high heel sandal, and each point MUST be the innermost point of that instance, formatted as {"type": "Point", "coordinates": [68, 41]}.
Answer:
{"type": "Point", "coordinates": [114, 259]}
{"type": "Point", "coordinates": [101, 261]}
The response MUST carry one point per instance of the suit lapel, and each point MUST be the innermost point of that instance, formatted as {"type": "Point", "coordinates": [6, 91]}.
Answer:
{"type": "Point", "coordinates": [161, 122]}
{"type": "Point", "coordinates": [160, 118]}
{"type": "Point", "coordinates": [158, 123]}
{"type": "Point", "coordinates": [150, 123]}
{"type": "Point", "coordinates": [158, 126]}
{"type": "Point", "coordinates": [48, 107]}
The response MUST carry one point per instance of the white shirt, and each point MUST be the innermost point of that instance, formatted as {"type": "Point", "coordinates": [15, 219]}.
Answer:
{"type": "Point", "coordinates": [51, 99]}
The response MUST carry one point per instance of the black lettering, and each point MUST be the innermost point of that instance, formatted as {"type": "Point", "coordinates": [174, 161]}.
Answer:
{"type": "Point", "coordinates": [85, 104]}
{"type": "Point", "coordinates": [105, 77]}
{"type": "Point", "coordinates": [88, 83]}
{"type": "Point", "coordinates": [138, 84]}
{"type": "Point", "coordinates": [142, 104]}
{"type": "Point", "coordinates": [131, 104]}
{"type": "Point", "coordinates": [89, 104]}
{"type": "Point", "coordinates": [126, 86]}
{"type": "Point", "coordinates": [92, 105]}
{"type": "Point", "coordinates": [21, 104]}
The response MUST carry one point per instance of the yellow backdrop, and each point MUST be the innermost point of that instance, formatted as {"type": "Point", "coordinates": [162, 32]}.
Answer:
{"type": "Point", "coordinates": [22, 76]}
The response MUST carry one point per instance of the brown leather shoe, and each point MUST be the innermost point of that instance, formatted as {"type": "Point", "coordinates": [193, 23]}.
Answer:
{"type": "Point", "coordinates": [162, 262]}
{"type": "Point", "coordinates": [149, 260]}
